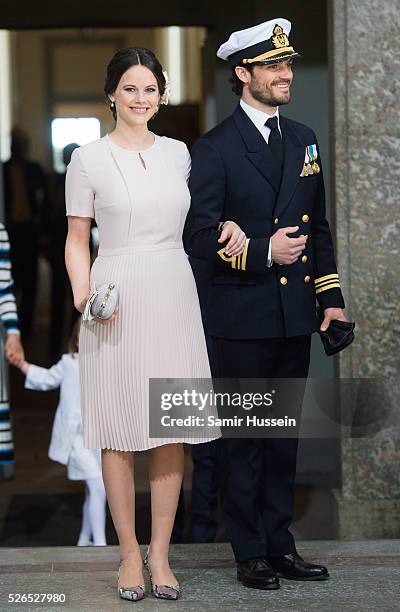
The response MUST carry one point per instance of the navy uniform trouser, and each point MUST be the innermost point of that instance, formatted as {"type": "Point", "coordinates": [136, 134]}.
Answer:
{"type": "Point", "coordinates": [257, 475]}
{"type": "Point", "coordinates": [204, 507]}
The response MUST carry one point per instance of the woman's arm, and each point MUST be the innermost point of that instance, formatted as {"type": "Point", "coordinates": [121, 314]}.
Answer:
{"type": "Point", "coordinates": [79, 201]}
{"type": "Point", "coordinates": [77, 259]}
{"type": "Point", "coordinates": [201, 238]}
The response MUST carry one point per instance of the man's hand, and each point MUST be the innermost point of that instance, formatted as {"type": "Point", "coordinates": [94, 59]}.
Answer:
{"type": "Point", "coordinates": [237, 238]}
{"type": "Point", "coordinates": [329, 315]}
{"type": "Point", "coordinates": [285, 250]}
{"type": "Point", "coordinates": [14, 350]}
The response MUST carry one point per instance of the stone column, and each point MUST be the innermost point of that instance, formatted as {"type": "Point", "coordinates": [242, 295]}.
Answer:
{"type": "Point", "coordinates": [365, 47]}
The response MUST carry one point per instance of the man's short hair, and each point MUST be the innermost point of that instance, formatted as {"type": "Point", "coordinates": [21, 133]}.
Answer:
{"type": "Point", "coordinates": [237, 84]}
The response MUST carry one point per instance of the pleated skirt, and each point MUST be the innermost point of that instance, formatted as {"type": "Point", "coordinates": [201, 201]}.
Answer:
{"type": "Point", "coordinates": [157, 333]}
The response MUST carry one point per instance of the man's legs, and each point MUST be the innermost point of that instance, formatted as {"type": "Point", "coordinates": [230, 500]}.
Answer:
{"type": "Point", "coordinates": [257, 475]}
{"type": "Point", "coordinates": [280, 469]}
{"type": "Point", "coordinates": [241, 459]}
{"type": "Point", "coordinates": [291, 361]}
{"type": "Point", "coordinates": [204, 504]}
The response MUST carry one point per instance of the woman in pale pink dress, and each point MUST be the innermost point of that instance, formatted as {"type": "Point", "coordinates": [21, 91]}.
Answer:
{"type": "Point", "coordinates": [134, 183]}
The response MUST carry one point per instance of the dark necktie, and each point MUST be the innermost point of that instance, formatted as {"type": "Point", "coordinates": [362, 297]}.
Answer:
{"type": "Point", "coordinates": [275, 140]}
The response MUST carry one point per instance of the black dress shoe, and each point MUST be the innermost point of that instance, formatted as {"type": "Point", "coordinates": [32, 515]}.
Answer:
{"type": "Point", "coordinates": [257, 574]}
{"type": "Point", "coordinates": [293, 567]}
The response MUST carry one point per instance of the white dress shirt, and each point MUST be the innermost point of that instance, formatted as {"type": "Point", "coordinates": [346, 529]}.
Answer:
{"type": "Point", "coordinates": [259, 118]}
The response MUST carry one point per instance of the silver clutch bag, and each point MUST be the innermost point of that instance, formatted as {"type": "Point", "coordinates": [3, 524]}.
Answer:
{"type": "Point", "coordinates": [101, 303]}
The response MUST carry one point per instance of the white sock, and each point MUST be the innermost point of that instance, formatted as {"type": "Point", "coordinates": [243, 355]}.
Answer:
{"type": "Point", "coordinates": [97, 510]}
{"type": "Point", "coordinates": [85, 534]}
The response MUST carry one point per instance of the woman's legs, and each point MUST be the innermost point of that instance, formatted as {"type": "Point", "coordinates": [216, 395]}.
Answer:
{"type": "Point", "coordinates": [166, 473]}
{"type": "Point", "coordinates": [118, 476]}
{"type": "Point", "coordinates": [97, 510]}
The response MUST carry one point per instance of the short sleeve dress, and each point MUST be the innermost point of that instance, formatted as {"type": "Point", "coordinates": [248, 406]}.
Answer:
{"type": "Point", "coordinates": [140, 204]}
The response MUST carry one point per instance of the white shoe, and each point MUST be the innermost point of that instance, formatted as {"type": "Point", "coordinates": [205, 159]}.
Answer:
{"type": "Point", "coordinates": [84, 542]}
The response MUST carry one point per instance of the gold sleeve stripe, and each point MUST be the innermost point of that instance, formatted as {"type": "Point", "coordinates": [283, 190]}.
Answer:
{"type": "Point", "coordinates": [325, 278]}
{"type": "Point", "coordinates": [232, 260]}
{"type": "Point", "coordinates": [326, 287]}
{"type": "Point", "coordinates": [221, 253]}
{"type": "Point", "coordinates": [238, 262]}
{"type": "Point", "coordinates": [244, 255]}
{"type": "Point", "coordinates": [332, 280]}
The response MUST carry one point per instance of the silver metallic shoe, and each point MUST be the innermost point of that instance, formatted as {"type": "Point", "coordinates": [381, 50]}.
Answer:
{"type": "Point", "coordinates": [162, 591]}
{"type": "Point", "coordinates": [133, 593]}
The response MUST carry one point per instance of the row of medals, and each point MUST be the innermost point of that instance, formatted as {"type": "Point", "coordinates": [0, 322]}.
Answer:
{"type": "Point", "coordinates": [310, 168]}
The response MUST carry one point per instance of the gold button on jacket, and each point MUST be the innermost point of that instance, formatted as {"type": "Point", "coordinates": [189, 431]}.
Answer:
{"type": "Point", "coordinates": [306, 279]}
{"type": "Point", "coordinates": [283, 280]}
{"type": "Point", "coordinates": [304, 259]}
{"type": "Point", "coordinates": [305, 218]}
{"type": "Point", "coordinates": [276, 221]}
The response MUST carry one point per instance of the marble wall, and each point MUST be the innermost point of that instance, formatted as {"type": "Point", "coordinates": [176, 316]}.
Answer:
{"type": "Point", "coordinates": [366, 177]}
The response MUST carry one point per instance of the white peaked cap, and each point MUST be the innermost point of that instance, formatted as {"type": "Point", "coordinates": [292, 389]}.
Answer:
{"type": "Point", "coordinates": [264, 40]}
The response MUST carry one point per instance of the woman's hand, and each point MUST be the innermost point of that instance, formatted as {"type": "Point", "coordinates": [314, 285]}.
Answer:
{"type": "Point", "coordinates": [107, 321]}
{"type": "Point", "coordinates": [14, 350]}
{"type": "Point", "coordinates": [237, 238]}
{"type": "Point", "coordinates": [80, 305]}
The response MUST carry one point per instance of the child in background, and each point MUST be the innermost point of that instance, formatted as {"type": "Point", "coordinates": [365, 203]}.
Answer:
{"type": "Point", "coordinates": [66, 444]}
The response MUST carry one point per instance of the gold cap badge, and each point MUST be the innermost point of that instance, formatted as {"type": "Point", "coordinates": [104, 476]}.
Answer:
{"type": "Point", "coordinates": [280, 39]}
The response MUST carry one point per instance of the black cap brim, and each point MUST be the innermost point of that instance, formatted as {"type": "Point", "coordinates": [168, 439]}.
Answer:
{"type": "Point", "coordinates": [277, 60]}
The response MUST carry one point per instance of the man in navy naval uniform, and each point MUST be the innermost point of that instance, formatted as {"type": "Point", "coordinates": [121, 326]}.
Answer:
{"type": "Point", "coordinates": [263, 172]}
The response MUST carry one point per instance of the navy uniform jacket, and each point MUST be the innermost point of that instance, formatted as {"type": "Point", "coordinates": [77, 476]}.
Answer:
{"type": "Point", "coordinates": [234, 177]}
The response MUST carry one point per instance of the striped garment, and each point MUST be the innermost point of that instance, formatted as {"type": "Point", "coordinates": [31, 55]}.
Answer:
{"type": "Point", "coordinates": [8, 309]}
{"type": "Point", "coordinates": [9, 321]}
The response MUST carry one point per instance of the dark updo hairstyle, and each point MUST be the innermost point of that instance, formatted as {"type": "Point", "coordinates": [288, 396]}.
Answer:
{"type": "Point", "coordinates": [125, 59]}
{"type": "Point", "coordinates": [237, 84]}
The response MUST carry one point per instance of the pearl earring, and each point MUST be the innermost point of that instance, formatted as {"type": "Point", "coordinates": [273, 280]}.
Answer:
{"type": "Point", "coordinates": [112, 105]}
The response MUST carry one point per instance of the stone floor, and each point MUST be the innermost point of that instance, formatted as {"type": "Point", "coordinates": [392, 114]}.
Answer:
{"type": "Point", "coordinates": [364, 576]}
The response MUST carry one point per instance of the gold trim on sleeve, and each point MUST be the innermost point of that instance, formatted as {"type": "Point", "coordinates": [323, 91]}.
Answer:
{"type": "Point", "coordinates": [221, 253]}
{"type": "Point", "coordinates": [238, 262]}
{"type": "Point", "coordinates": [333, 280]}
{"type": "Point", "coordinates": [325, 278]}
{"type": "Point", "coordinates": [244, 255]}
{"type": "Point", "coordinates": [326, 287]}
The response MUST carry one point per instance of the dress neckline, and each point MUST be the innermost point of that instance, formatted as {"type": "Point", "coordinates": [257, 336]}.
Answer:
{"type": "Point", "coordinates": [134, 151]}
